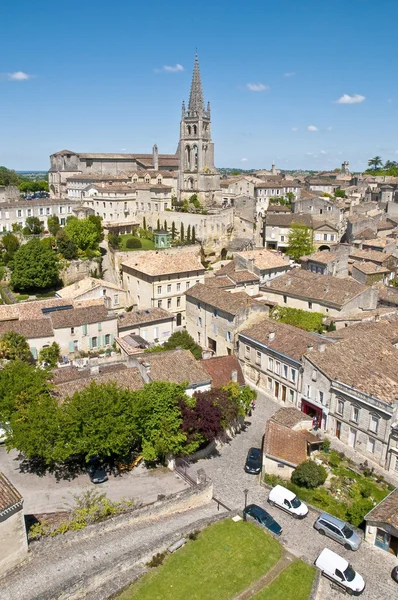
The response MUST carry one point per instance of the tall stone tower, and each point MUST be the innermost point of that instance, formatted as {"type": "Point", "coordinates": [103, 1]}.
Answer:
{"type": "Point", "coordinates": [197, 174]}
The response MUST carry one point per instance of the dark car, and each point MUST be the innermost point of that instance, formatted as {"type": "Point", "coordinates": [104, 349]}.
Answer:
{"type": "Point", "coordinates": [394, 574]}
{"type": "Point", "coordinates": [253, 461]}
{"type": "Point", "coordinates": [96, 471]}
{"type": "Point", "coordinates": [263, 517]}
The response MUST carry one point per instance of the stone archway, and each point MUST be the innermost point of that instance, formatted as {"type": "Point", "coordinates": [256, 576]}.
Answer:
{"type": "Point", "coordinates": [224, 253]}
{"type": "Point", "coordinates": [324, 247]}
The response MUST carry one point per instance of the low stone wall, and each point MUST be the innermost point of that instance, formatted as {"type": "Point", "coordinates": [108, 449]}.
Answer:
{"type": "Point", "coordinates": [77, 270]}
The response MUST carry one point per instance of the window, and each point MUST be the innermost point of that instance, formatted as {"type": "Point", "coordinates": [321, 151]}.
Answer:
{"type": "Point", "coordinates": [178, 301]}
{"type": "Point", "coordinates": [107, 339]}
{"type": "Point", "coordinates": [169, 288]}
{"type": "Point", "coordinates": [84, 329]}
{"type": "Point", "coordinates": [282, 238]}
{"type": "Point", "coordinates": [19, 212]}
{"type": "Point", "coordinates": [94, 342]}
{"type": "Point", "coordinates": [247, 351]}
{"type": "Point", "coordinates": [187, 285]}
{"type": "Point", "coordinates": [374, 423]}
{"type": "Point", "coordinates": [340, 407]}
{"type": "Point", "coordinates": [310, 305]}
{"type": "Point", "coordinates": [229, 337]}
{"type": "Point", "coordinates": [355, 414]}
{"type": "Point", "coordinates": [178, 287]}
{"type": "Point", "coordinates": [291, 393]}
{"type": "Point", "coordinates": [270, 364]}
{"type": "Point", "coordinates": [285, 371]}
{"type": "Point", "coordinates": [199, 321]}
{"type": "Point", "coordinates": [61, 210]}
{"type": "Point", "coordinates": [277, 367]}
{"type": "Point", "coordinates": [159, 289]}
{"type": "Point", "coordinates": [258, 357]}
{"type": "Point", "coordinates": [321, 397]}
{"type": "Point", "coordinates": [371, 445]}
{"type": "Point", "coordinates": [75, 345]}
{"type": "Point", "coordinates": [293, 375]}
{"type": "Point", "coordinates": [198, 337]}
{"type": "Point", "coordinates": [270, 386]}
{"type": "Point", "coordinates": [168, 302]}
{"type": "Point", "coordinates": [308, 391]}
{"type": "Point", "coordinates": [215, 313]}
{"type": "Point", "coordinates": [314, 375]}
{"type": "Point", "coordinates": [159, 304]}
{"type": "Point", "coordinates": [285, 299]}
{"type": "Point", "coordinates": [198, 305]}
{"type": "Point", "coordinates": [116, 299]}
{"type": "Point", "coordinates": [72, 330]}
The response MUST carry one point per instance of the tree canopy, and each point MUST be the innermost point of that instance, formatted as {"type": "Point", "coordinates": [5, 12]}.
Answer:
{"type": "Point", "coordinates": [84, 233]}
{"type": "Point", "coordinates": [300, 241]}
{"type": "Point", "coordinates": [14, 346]}
{"type": "Point", "coordinates": [304, 319]}
{"type": "Point", "coordinates": [180, 339]}
{"type": "Point", "coordinates": [34, 267]}
{"type": "Point", "coordinates": [8, 177]}
{"type": "Point", "coordinates": [33, 226]}
{"type": "Point", "coordinates": [53, 224]}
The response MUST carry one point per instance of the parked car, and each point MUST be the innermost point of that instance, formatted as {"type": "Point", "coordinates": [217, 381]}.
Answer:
{"type": "Point", "coordinates": [394, 574]}
{"type": "Point", "coordinates": [337, 530]}
{"type": "Point", "coordinates": [287, 501]}
{"type": "Point", "coordinates": [3, 433]}
{"type": "Point", "coordinates": [96, 471]}
{"type": "Point", "coordinates": [253, 461]}
{"type": "Point", "coordinates": [261, 515]}
{"type": "Point", "coordinates": [337, 569]}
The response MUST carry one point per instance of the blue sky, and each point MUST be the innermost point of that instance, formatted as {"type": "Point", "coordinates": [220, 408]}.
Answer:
{"type": "Point", "coordinates": [90, 77]}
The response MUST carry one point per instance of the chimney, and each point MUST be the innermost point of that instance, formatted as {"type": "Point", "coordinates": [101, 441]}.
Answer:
{"type": "Point", "coordinates": [271, 336]}
{"type": "Point", "coordinates": [234, 376]}
{"type": "Point", "coordinates": [310, 347]}
{"type": "Point", "coordinates": [321, 347]}
{"type": "Point", "coordinates": [326, 288]}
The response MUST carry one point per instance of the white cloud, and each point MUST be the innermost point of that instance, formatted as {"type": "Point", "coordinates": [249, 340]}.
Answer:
{"type": "Point", "coordinates": [18, 76]}
{"type": "Point", "coordinates": [323, 152]}
{"type": "Point", "coordinates": [347, 99]}
{"type": "Point", "coordinates": [294, 128]}
{"type": "Point", "coordinates": [170, 69]}
{"type": "Point", "coordinates": [330, 128]}
{"type": "Point", "coordinates": [288, 74]}
{"type": "Point", "coordinates": [312, 128]}
{"type": "Point", "coordinates": [257, 87]}
{"type": "Point", "coordinates": [244, 159]}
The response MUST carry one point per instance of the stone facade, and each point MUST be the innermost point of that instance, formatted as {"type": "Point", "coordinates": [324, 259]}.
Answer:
{"type": "Point", "coordinates": [9, 193]}
{"type": "Point", "coordinates": [18, 212]}
{"type": "Point", "coordinates": [14, 543]}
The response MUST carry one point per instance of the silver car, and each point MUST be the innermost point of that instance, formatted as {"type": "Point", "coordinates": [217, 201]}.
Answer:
{"type": "Point", "coordinates": [337, 530]}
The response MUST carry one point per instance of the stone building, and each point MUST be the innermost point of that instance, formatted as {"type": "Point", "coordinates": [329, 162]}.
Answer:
{"type": "Point", "coordinates": [9, 193]}
{"type": "Point", "coordinates": [278, 225]}
{"type": "Point", "coordinates": [89, 288]}
{"type": "Point", "coordinates": [328, 262]}
{"type": "Point", "coordinates": [17, 212]}
{"type": "Point", "coordinates": [215, 316]}
{"type": "Point", "coordinates": [154, 325]}
{"type": "Point", "coordinates": [160, 278]}
{"type": "Point", "coordinates": [14, 543]}
{"type": "Point", "coordinates": [382, 524]}
{"type": "Point", "coordinates": [197, 173]}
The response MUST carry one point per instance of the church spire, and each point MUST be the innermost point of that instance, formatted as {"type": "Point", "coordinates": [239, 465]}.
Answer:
{"type": "Point", "coordinates": [196, 102]}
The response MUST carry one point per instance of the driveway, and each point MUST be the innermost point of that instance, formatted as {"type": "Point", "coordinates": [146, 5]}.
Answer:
{"type": "Point", "coordinates": [47, 494]}
{"type": "Point", "coordinates": [230, 481]}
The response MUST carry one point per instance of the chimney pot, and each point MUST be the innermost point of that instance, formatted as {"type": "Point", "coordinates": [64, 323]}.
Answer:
{"type": "Point", "coordinates": [310, 347]}
{"type": "Point", "coordinates": [271, 336]}
{"type": "Point", "coordinates": [321, 347]}
{"type": "Point", "coordinates": [234, 376]}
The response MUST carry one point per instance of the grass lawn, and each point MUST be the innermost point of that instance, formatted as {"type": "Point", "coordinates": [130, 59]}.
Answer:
{"type": "Point", "coordinates": [294, 583]}
{"type": "Point", "coordinates": [146, 244]}
{"type": "Point", "coordinates": [224, 560]}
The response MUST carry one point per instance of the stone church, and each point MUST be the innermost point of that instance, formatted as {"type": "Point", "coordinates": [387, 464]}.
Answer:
{"type": "Point", "coordinates": [192, 167]}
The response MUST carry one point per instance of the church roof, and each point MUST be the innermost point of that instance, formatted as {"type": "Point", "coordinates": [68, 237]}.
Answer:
{"type": "Point", "coordinates": [196, 102]}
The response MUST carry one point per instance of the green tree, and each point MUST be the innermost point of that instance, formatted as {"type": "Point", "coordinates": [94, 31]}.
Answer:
{"type": "Point", "coordinates": [375, 162]}
{"type": "Point", "coordinates": [193, 234]}
{"type": "Point", "coordinates": [97, 221]}
{"type": "Point", "coordinates": [300, 241]}
{"type": "Point", "coordinates": [290, 197]}
{"type": "Point", "coordinates": [34, 267]}
{"type": "Point", "coordinates": [114, 240]}
{"type": "Point", "coordinates": [16, 227]}
{"type": "Point", "coordinates": [304, 319]}
{"type": "Point", "coordinates": [241, 396]}
{"type": "Point", "coordinates": [189, 234]}
{"type": "Point", "coordinates": [10, 244]}
{"type": "Point", "coordinates": [144, 224]}
{"type": "Point", "coordinates": [165, 225]}
{"type": "Point", "coordinates": [339, 194]}
{"type": "Point", "coordinates": [182, 232]}
{"type": "Point", "coordinates": [8, 177]}
{"type": "Point", "coordinates": [158, 419]}
{"type": "Point", "coordinates": [173, 230]}
{"type": "Point", "coordinates": [13, 346]}
{"type": "Point", "coordinates": [66, 246]}
{"type": "Point", "coordinates": [179, 339]}
{"type": "Point", "coordinates": [33, 226]}
{"type": "Point", "coordinates": [158, 225]}
{"type": "Point", "coordinates": [50, 355]}
{"type": "Point", "coordinates": [53, 225]}
{"type": "Point", "coordinates": [309, 475]}
{"type": "Point", "coordinates": [19, 378]}
{"type": "Point", "coordinates": [43, 185]}
{"type": "Point", "coordinates": [83, 232]}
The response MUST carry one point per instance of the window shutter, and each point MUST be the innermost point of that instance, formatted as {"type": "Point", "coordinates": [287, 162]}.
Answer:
{"type": "Point", "coordinates": [33, 352]}
{"type": "Point", "coordinates": [111, 339]}
{"type": "Point", "coordinates": [71, 347]}
{"type": "Point", "coordinates": [84, 329]}
{"type": "Point", "coordinates": [91, 343]}
{"type": "Point", "coordinates": [99, 326]}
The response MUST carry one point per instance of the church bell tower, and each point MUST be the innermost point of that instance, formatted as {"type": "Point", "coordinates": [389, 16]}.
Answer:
{"type": "Point", "coordinates": [196, 150]}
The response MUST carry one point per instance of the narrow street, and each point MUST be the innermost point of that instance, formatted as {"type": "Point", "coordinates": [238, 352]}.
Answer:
{"type": "Point", "coordinates": [109, 272]}
{"type": "Point", "coordinates": [226, 470]}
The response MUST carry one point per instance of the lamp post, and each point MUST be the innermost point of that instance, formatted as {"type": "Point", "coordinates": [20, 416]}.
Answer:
{"type": "Point", "coordinates": [245, 491]}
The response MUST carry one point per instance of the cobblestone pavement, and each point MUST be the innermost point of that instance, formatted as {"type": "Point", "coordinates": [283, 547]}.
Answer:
{"type": "Point", "coordinates": [230, 481]}
{"type": "Point", "coordinates": [58, 565]}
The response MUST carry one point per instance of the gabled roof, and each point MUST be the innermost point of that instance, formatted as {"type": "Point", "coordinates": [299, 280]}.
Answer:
{"type": "Point", "coordinates": [218, 298]}
{"type": "Point", "coordinates": [221, 368]}
{"type": "Point", "coordinates": [175, 366]}
{"type": "Point", "coordinates": [161, 262]}
{"type": "Point", "coordinates": [9, 495]}
{"type": "Point", "coordinates": [144, 315]}
{"type": "Point", "coordinates": [386, 511]}
{"type": "Point", "coordinates": [284, 444]}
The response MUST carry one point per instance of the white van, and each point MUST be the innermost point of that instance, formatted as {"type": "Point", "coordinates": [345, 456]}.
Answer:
{"type": "Point", "coordinates": [286, 500]}
{"type": "Point", "coordinates": [337, 569]}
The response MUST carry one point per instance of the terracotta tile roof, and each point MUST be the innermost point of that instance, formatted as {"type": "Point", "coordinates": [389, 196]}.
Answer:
{"type": "Point", "coordinates": [220, 369]}
{"type": "Point", "coordinates": [9, 496]}
{"type": "Point", "coordinates": [284, 444]}
{"type": "Point", "coordinates": [366, 359]}
{"type": "Point", "coordinates": [369, 268]}
{"type": "Point", "coordinates": [30, 328]}
{"type": "Point", "coordinates": [371, 255]}
{"type": "Point", "coordinates": [236, 274]}
{"type": "Point", "coordinates": [277, 208]}
{"type": "Point", "coordinates": [313, 286]}
{"type": "Point", "coordinates": [79, 316]}
{"type": "Point", "coordinates": [323, 256]}
{"type": "Point", "coordinates": [163, 263]}
{"type": "Point", "coordinates": [386, 511]}
{"type": "Point", "coordinates": [378, 242]}
{"type": "Point", "coordinates": [85, 285]}
{"type": "Point", "coordinates": [286, 339]}
{"type": "Point", "coordinates": [148, 315]}
{"type": "Point", "coordinates": [264, 259]}
{"type": "Point", "coordinates": [175, 366]}
{"type": "Point", "coordinates": [122, 376]}
{"type": "Point", "coordinates": [289, 416]}
{"type": "Point", "coordinates": [225, 301]}
{"type": "Point", "coordinates": [283, 220]}
{"type": "Point", "coordinates": [220, 282]}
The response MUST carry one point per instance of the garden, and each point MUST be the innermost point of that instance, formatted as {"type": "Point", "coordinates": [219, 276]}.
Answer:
{"type": "Point", "coordinates": [334, 483]}
{"type": "Point", "coordinates": [220, 562]}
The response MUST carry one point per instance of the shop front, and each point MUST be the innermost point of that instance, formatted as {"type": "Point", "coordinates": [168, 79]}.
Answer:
{"type": "Point", "coordinates": [382, 524]}
{"type": "Point", "coordinates": [312, 411]}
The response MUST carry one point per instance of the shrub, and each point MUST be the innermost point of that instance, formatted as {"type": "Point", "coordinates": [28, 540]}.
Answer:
{"type": "Point", "coordinates": [334, 459]}
{"type": "Point", "coordinates": [358, 509]}
{"type": "Point", "coordinates": [309, 474]}
{"type": "Point", "coordinates": [326, 445]}
{"type": "Point", "coordinates": [157, 559]}
{"type": "Point", "coordinates": [194, 534]}
{"type": "Point", "coordinates": [133, 243]}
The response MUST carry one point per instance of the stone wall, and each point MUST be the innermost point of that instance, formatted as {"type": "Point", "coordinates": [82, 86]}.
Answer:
{"type": "Point", "coordinates": [14, 545]}
{"type": "Point", "coordinates": [77, 270]}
